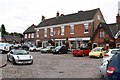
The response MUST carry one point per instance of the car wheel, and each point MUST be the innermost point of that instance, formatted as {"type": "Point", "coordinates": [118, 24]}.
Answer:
{"type": "Point", "coordinates": [7, 58]}
{"type": "Point", "coordinates": [34, 50]}
{"type": "Point", "coordinates": [101, 56]}
{"type": "Point", "coordinates": [31, 62]}
{"type": "Point", "coordinates": [83, 54]}
{"type": "Point", "coordinates": [14, 63]}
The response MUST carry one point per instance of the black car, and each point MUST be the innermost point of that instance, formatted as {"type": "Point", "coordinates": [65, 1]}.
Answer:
{"type": "Point", "coordinates": [60, 50]}
{"type": "Point", "coordinates": [113, 68]}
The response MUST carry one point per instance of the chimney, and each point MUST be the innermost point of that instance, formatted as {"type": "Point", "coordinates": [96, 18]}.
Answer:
{"type": "Point", "coordinates": [43, 18]}
{"type": "Point", "coordinates": [118, 18]}
{"type": "Point", "coordinates": [57, 15]}
{"type": "Point", "coordinates": [118, 15]}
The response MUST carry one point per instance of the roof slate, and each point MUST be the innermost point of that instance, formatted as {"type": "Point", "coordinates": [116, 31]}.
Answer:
{"type": "Point", "coordinates": [30, 29]}
{"type": "Point", "coordinates": [76, 17]}
{"type": "Point", "coordinates": [11, 38]}
{"type": "Point", "coordinates": [110, 29]}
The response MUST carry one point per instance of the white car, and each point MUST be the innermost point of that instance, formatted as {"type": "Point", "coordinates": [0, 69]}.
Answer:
{"type": "Point", "coordinates": [39, 48]}
{"type": "Point", "coordinates": [109, 53]}
{"type": "Point", "coordinates": [107, 56]}
{"type": "Point", "coordinates": [4, 47]}
{"type": "Point", "coordinates": [32, 48]}
{"type": "Point", "coordinates": [18, 56]}
{"type": "Point", "coordinates": [48, 49]}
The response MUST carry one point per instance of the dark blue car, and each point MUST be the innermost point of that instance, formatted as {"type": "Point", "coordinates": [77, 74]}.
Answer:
{"type": "Point", "coordinates": [113, 68]}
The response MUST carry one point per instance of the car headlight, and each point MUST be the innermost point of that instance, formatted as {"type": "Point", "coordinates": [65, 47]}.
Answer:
{"type": "Point", "coordinates": [18, 57]}
{"type": "Point", "coordinates": [57, 50]}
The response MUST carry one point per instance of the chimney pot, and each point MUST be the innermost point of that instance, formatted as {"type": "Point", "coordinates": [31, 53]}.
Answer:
{"type": "Point", "coordinates": [57, 14]}
{"type": "Point", "coordinates": [43, 18]}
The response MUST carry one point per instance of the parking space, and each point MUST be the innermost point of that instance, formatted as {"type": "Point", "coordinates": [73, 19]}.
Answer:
{"type": "Point", "coordinates": [48, 65]}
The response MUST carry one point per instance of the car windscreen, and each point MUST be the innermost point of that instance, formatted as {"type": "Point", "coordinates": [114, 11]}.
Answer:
{"type": "Point", "coordinates": [48, 47]}
{"type": "Point", "coordinates": [58, 47]}
{"type": "Point", "coordinates": [80, 48]}
{"type": "Point", "coordinates": [114, 51]}
{"type": "Point", "coordinates": [106, 51]}
{"type": "Point", "coordinates": [20, 52]}
{"type": "Point", "coordinates": [97, 50]}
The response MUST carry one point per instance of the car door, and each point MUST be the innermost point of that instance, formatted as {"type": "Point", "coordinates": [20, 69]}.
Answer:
{"type": "Point", "coordinates": [10, 55]}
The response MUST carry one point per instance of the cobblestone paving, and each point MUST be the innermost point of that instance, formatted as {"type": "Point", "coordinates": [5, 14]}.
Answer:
{"type": "Point", "coordinates": [54, 66]}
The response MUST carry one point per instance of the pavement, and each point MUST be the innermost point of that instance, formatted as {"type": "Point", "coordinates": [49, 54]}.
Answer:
{"type": "Point", "coordinates": [3, 60]}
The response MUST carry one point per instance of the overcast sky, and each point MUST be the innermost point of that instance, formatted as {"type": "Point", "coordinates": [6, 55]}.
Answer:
{"type": "Point", "coordinates": [18, 15]}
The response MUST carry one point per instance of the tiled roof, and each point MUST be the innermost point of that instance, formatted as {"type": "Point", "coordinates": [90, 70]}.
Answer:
{"type": "Point", "coordinates": [11, 38]}
{"type": "Point", "coordinates": [76, 17]}
{"type": "Point", "coordinates": [30, 29]}
{"type": "Point", "coordinates": [110, 29]}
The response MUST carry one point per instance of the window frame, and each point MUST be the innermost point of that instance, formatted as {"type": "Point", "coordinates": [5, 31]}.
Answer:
{"type": "Point", "coordinates": [62, 30]}
{"type": "Point", "coordinates": [45, 32]}
{"type": "Point", "coordinates": [32, 35]}
{"type": "Point", "coordinates": [71, 29]}
{"type": "Point", "coordinates": [51, 31]}
{"type": "Point", "coordinates": [102, 34]}
{"type": "Point", "coordinates": [37, 33]}
{"type": "Point", "coordinates": [86, 28]}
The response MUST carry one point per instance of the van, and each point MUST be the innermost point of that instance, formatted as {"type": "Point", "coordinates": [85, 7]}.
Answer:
{"type": "Point", "coordinates": [4, 47]}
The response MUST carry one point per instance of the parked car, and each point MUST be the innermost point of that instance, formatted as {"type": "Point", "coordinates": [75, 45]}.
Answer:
{"type": "Point", "coordinates": [81, 52]}
{"type": "Point", "coordinates": [48, 49]}
{"type": "Point", "coordinates": [25, 47]}
{"type": "Point", "coordinates": [97, 52]}
{"type": "Point", "coordinates": [39, 48]}
{"type": "Point", "coordinates": [32, 48]}
{"type": "Point", "coordinates": [18, 56]}
{"type": "Point", "coordinates": [109, 53]}
{"type": "Point", "coordinates": [113, 68]}
{"type": "Point", "coordinates": [60, 50]}
{"type": "Point", "coordinates": [4, 47]}
{"type": "Point", "coordinates": [104, 64]}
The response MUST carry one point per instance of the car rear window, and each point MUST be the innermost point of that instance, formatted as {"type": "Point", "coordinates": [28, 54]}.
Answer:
{"type": "Point", "coordinates": [115, 51]}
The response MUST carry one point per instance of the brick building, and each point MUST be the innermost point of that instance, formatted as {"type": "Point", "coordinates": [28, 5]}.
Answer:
{"type": "Point", "coordinates": [107, 35]}
{"type": "Point", "coordinates": [74, 29]}
{"type": "Point", "coordinates": [29, 34]}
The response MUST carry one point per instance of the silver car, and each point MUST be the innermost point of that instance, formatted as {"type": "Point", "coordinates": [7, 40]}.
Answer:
{"type": "Point", "coordinates": [107, 56]}
{"type": "Point", "coordinates": [48, 49]}
{"type": "Point", "coordinates": [18, 56]}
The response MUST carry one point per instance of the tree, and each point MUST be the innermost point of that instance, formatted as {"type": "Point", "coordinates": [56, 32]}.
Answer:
{"type": "Point", "coordinates": [3, 30]}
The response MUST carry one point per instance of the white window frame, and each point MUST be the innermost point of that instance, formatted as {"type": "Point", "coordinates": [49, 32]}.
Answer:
{"type": "Point", "coordinates": [101, 34]}
{"type": "Point", "coordinates": [37, 33]}
{"type": "Point", "coordinates": [62, 30]}
{"type": "Point", "coordinates": [29, 35]}
{"type": "Point", "coordinates": [25, 35]}
{"type": "Point", "coordinates": [32, 35]}
{"type": "Point", "coordinates": [51, 31]}
{"type": "Point", "coordinates": [71, 29]}
{"type": "Point", "coordinates": [98, 17]}
{"type": "Point", "coordinates": [45, 32]}
{"type": "Point", "coordinates": [86, 28]}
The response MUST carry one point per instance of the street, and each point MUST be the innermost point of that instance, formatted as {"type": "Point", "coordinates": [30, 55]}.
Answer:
{"type": "Point", "coordinates": [47, 65]}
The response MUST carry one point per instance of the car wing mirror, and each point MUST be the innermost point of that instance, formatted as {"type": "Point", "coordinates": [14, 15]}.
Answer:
{"type": "Point", "coordinates": [11, 52]}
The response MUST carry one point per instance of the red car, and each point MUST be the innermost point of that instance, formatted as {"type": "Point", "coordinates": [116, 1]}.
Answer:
{"type": "Point", "coordinates": [81, 52]}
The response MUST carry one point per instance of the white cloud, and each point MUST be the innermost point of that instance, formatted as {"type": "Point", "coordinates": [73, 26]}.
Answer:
{"type": "Point", "coordinates": [18, 15]}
